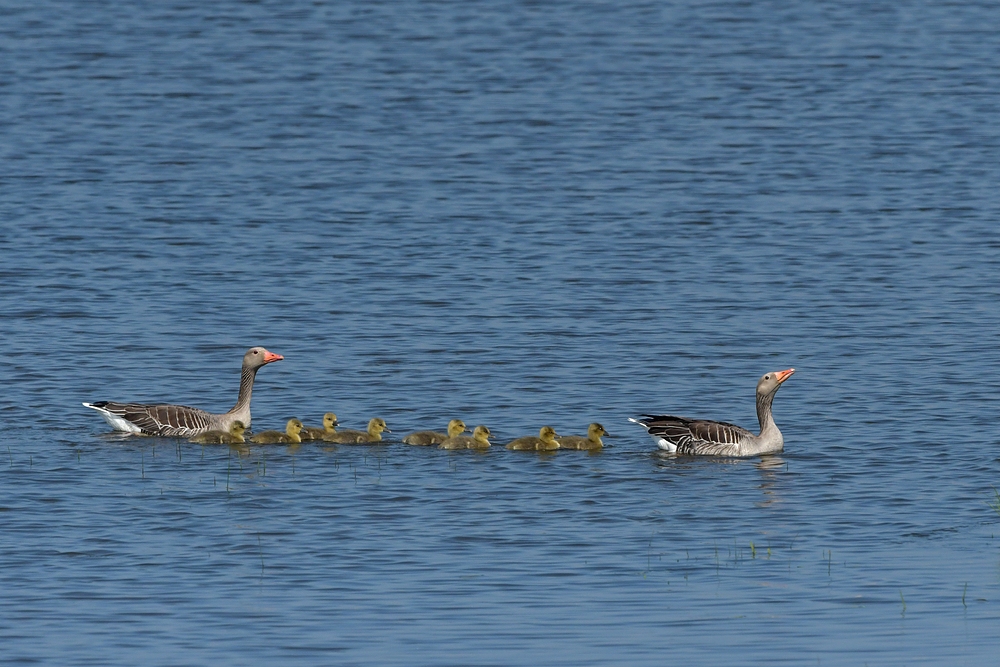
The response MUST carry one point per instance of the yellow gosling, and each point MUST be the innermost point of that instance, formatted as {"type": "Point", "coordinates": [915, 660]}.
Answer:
{"type": "Point", "coordinates": [546, 441]}
{"type": "Point", "coordinates": [591, 442]}
{"type": "Point", "coordinates": [289, 437]}
{"type": "Point", "coordinates": [233, 436]}
{"type": "Point", "coordinates": [455, 427]}
{"type": "Point", "coordinates": [478, 440]}
{"type": "Point", "coordinates": [329, 426]}
{"type": "Point", "coordinates": [349, 437]}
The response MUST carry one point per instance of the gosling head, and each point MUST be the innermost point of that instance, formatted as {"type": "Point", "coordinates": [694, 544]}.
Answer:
{"type": "Point", "coordinates": [330, 421]}
{"type": "Point", "coordinates": [377, 425]}
{"type": "Point", "coordinates": [769, 382]}
{"type": "Point", "coordinates": [547, 434]}
{"type": "Point", "coordinates": [595, 431]}
{"type": "Point", "coordinates": [293, 427]}
{"type": "Point", "coordinates": [237, 429]}
{"type": "Point", "coordinates": [481, 433]}
{"type": "Point", "coordinates": [456, 427]}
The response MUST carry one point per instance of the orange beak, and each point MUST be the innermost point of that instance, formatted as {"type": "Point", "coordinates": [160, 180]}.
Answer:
{"type": "Point", "coordinates": [781, 376]}
{"type": "Point", "coordinates": [271, 356]}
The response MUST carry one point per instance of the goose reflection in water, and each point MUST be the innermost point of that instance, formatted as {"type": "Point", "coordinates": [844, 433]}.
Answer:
{"type": "Point", "coordinates": [770, 468]}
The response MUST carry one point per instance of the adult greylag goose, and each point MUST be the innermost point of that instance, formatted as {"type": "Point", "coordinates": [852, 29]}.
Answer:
{"type": "Point", "coordinates": [591, 441]}
{"type": "Point", "coordinates": [545, 441]}
{"type": "Point", "coordinates": [180, 420]}
{"type": "Point", "coordinates": [234, 436]}
{"type": "Point", "coordinates": [697, 436]}
{"type": "Point", "coordinates": [455, 427]}
{"type": "Point", "coordinates": [329, 426]}
{"type": "Point", "coordinates": [290, 437]}
{"type": "Point", "coordinates": [349, 437]}
{"type": "Point", "coordinates": [480, 439]}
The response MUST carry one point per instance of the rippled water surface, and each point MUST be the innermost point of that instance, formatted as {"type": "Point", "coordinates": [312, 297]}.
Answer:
{"type": "Point", "coordinates": [518, 214]}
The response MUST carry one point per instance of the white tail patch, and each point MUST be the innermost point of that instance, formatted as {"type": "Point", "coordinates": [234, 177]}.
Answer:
{"type": "Point", "coordinates": [662, 443]}
{"type": "Point", "coordinates": [665, 445]}
{"type": "Point", "coordinates": [114, 421]}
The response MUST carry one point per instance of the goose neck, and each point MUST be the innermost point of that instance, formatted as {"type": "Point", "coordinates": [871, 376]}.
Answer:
{"type": "Point", "coordinates": [246, 390]}
{"type": "Point", "coordinates": [764, 416]}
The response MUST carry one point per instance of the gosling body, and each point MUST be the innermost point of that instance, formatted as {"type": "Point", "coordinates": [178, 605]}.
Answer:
{"type": "Point", "coordinates": [234, 436]}
{"type": "Point", "coordinates": [349, 437]}
{"type": "Point", "coordinates": [291, 435]}
{"type": "Point", "coordinates": [478, 440]}
{"type": "Point", "coordinates": [424, 438]}
{"type": "Point", "coordinates": [315, 433]}
{"type": "Point", "coordinates": [546, 441]}
{"type": "Point", "coordinates": [592, 441]}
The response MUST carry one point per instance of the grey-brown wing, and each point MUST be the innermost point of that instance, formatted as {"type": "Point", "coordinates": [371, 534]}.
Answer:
{"type": "Point", "coordinates": [696, 436]}
{"type": "Point", "coordinates": [168, 420]}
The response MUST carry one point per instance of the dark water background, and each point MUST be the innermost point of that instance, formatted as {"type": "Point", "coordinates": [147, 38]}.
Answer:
{"type": "Point", "coordinates": [517, 214]}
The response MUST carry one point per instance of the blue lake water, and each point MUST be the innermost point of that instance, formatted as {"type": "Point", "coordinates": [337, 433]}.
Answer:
{"type": "Point", "coordinates": [517, 214]}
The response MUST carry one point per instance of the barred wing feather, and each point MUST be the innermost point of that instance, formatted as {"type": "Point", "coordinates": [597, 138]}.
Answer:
{"type": "Point", "coordinates": [167, 420]}
{"type": "Point", "coordinates": [697, 436]}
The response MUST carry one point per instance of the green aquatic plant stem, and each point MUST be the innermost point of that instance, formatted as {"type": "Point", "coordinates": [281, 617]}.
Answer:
{"type": "Point", "coordinates": [995, 504]}
{"type": "Point", "coordinates": [649, 553]}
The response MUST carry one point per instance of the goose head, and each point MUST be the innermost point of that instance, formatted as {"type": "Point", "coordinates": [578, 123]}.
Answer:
{"type": "Point", "coordinates": [769, 382]}
{"type": "Point", "coordinates": [258, 356]}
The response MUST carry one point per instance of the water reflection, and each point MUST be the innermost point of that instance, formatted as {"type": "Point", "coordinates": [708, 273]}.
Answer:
{"type": "Point", "coordinates": [663, 456]}
{"type": "Point", "coordinates": [769, 466]}
{"type": "Point", "coordinates": [240, 450]}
